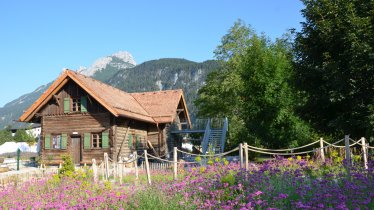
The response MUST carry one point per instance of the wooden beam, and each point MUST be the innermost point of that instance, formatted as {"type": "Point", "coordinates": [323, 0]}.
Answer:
{"type": "Point", "coordinates": [56, 99]}
{"type": "Point", "coordinates": [153, 149]}
{"type": "Point", "coordinates": [89, 98]}
{"type": "Point", "coordinates": [124, 139]}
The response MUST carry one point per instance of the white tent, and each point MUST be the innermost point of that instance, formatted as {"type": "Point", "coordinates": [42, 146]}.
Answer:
{"type": "Point", "coordinates": [9, 147]}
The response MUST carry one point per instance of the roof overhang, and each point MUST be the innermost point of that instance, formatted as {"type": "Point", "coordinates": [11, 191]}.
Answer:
{"type": "Point", "coordinates": [53, 89]}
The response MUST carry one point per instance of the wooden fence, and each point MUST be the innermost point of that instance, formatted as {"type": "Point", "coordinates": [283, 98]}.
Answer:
{"type": "Point", "coordinates": [17, 177]}
{"type": "Point", "coordinates": [109, 169]}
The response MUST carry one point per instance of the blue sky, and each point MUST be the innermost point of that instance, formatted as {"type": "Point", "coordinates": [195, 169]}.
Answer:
{"type": "Point", "coordinates": [40, 38]}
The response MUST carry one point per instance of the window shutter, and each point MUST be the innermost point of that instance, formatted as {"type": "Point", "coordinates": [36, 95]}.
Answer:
{"type": "Point", "coordinates": [47, 141]}
{"type": "Point", "coordinates": [84, 104]}
{"type": "Point", "coordinates": [130, 141]}
{"type": "Point", "coordinates": [137, 142]}
{"type": "Point", "coordinates": [66, 105]}
{"type": "Point", "coordinates": [87, 141]}
{"type": "Point", "coordinates": [105, 139]}
{"type": "Point", "coordinates": [64, 140]}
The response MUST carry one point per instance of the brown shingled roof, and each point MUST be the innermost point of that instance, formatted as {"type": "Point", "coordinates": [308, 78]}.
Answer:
{"type": "Point", "coordinates": [161, 105]}
{"type": "Point", "coordinates": [123, 103]}
{"type": "Point", "coordinates": [155, 107]}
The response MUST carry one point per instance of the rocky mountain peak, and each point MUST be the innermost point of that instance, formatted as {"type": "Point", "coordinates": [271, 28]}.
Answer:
{"type": "Point", "coordinates": [120, 60]}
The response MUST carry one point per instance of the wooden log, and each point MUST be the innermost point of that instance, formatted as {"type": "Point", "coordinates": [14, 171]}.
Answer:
{"type": "Point", "coordinates": [321, 150]}
{"type": "Point", "coordinates": [136, 165]}
{"type": "Point", "coordinates": [175, 159]}
{"type": "Point", "coordinates": [115, 170]}
{"type": "Point", "coordinates": [153, 149]}
{"type": "Point", "coordinates": [364, 152]}
{"type": "Point", "coordinates": [147, 167]}
{"type": "Point", "coordinates": [124, 139]}
{"type": "Point", "coordinates": [106, 166]}
{"type": "Point", "coordinates": [120, 165]}
{"type": "Point", "coordinates": [347, 154]}
{"type": "Point", "coordinates": [241, 155]}
{"type": "Point", "coordinates": [94, 170]}
{"type": "Point", "coordinates": [102, 171]}
{"type": "Point", "coordinates": [246, 156]}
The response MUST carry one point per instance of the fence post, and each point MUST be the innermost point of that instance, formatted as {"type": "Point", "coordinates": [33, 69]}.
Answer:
{"type": "Point", "coordinates": [241, 155]}
{"type": "Point", "coordinates": [103, 170]}
{"type": "Point", "coordinates": [135, 155]}
{"type": "Point", "coordinates": [347, 154]}
{"type": "Point", "coordinates": [147, 167]}
{"type": "Point", "coordinates": [106, 166]}
{"type": "Point", "coordinates": [364, 152]}
{"type": "Point", "coordinates": [175, 159]}
{"type": "Point", "coordinates": [246, 156]}
{"type": "Point", "coordinates": [94, 170]}
{"type": "Point", "coordinates": [115, 170]}
{"type": "Point", "coordinates": [120, 170]}
{"type": "Point", "coordinates": [322, 152]}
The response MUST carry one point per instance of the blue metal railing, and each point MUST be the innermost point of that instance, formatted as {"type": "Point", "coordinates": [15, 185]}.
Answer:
{"type": "Point", "coordinates": [224, 132]}
{"type": "Point", "coordinates": [206, 136]}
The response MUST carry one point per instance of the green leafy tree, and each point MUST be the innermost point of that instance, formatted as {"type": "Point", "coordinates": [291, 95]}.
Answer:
{"type": "Point", "coordinates": [335, 66]}
{"type": "Point", "coordinates": [221, 96]}
{"type": "Point", "coordinates": [253, 89]}
{"type": "Point", "coordinates": [22, 136]}
{"type": "Point", "coordinates": [5, 135]}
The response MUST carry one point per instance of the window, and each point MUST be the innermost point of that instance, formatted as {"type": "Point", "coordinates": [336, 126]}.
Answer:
{"type": "Point", "coordinates": [76, 105]}
{"type": "Point", "coordinates": [97, 140]}
{"type": "Point", "coordinates": [56, 141]}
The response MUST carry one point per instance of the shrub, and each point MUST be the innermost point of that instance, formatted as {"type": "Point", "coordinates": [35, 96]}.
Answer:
{"type": "Point", "coordinates": [67, 168]}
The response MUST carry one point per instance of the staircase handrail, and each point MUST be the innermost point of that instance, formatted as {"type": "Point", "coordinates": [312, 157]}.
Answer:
{"type": "Point", "coordinates": [206, 137]}
{"type": "Point", "coordinates": [223, 136]}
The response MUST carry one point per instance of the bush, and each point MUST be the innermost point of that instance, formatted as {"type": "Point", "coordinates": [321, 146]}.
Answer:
{"type": "Point", "coordinates": [68, 167]}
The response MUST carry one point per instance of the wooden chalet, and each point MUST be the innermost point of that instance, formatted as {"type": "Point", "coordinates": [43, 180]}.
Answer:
{"type": "Point", "coordinates": [86, 118]}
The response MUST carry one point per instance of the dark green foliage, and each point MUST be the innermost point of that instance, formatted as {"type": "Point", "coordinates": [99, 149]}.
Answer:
{"type": "Point", "coordinates": [67, 168]}
{"type": "Point", "coordinates": [335, 66]}
{"type": "Point", "coordinates": [253, 90]}
{"type": "Point", "coordinates": [5, 136]}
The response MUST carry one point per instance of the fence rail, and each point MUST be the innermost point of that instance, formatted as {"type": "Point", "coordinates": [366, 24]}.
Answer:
{"type": "Point", "coordinates": [112, 169]}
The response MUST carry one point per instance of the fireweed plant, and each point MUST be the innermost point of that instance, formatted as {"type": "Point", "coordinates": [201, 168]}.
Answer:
{"type": "Point", "coordinates": [293, 183]}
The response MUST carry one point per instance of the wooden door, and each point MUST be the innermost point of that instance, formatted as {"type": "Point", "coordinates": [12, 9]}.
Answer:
{"type": "Point", "coordinates": [76, 149]}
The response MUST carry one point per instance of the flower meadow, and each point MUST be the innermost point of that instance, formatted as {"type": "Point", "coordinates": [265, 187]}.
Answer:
{"type": "Point", "coordinates": [293, 183]}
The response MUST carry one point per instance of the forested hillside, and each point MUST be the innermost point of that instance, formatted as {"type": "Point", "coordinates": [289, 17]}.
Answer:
{"type": "Point", "coordinates": [166, 74]}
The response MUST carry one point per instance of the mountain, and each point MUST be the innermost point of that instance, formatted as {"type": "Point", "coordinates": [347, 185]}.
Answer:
{"type": "Point", "coordinates": [14, 109]}
{"type": "Point", "coordinates": [104, 68]}
{"type": "Point", "coordinates": [166, 74]}
{"type": "Point", "coordinates": [121, 71]}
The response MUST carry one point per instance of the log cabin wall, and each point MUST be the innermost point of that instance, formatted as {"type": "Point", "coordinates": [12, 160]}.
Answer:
{"type": "Point", "coordinates": [173, 140]}
{"type": "Point", "coordinates": [56, 120]}
{"type": "Point", "coordinates": [71, 90]}
{"type": "Point", "coordinates": [79, 124]}
{"type": "Point", "coordinates": [157, 137]}
{"type": "Point", "coordinates": [135, 140]}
